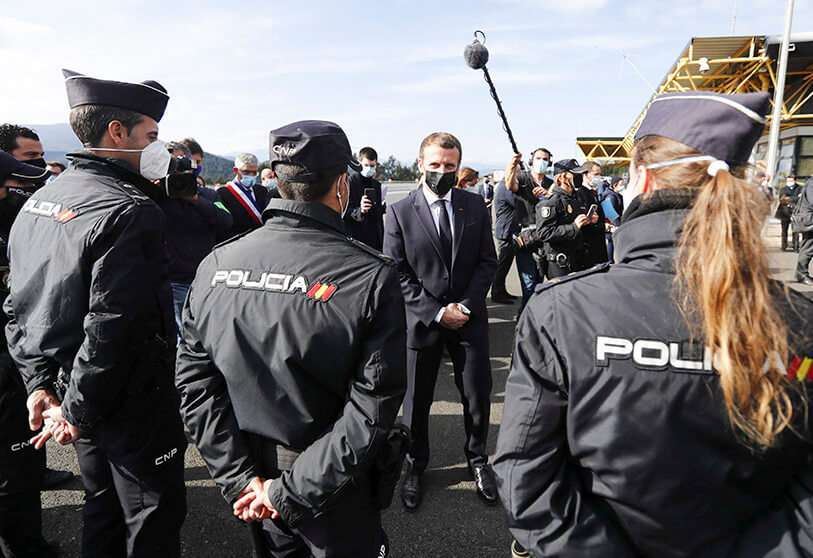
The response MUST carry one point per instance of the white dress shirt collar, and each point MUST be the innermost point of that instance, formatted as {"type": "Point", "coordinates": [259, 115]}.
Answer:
{"type": "Point", "coordinates": [432, 197]}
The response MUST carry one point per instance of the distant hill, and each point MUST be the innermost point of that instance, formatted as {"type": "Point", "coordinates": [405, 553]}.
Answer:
{"type": "Point", "coordinates": [59, 140]}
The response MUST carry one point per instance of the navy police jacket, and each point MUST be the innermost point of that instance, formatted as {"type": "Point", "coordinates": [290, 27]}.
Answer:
{"type": "Point", "coordinates": [293, 333]}
{"type": "Point", "coordinates": [614, 440]}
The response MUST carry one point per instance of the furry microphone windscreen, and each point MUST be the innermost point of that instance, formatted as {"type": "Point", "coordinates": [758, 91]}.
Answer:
{"type": "Point", "coordinates": [476, 55]}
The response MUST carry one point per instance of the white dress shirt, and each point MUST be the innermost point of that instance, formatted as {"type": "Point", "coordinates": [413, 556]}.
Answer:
{"type": "Point", "coordinates": [431, 199]}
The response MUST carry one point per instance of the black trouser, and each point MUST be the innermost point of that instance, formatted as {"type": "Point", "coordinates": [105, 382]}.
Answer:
{"type": "Point", "coordinates": [472, 374]}
{"type": "Point", "coordinates": [805, 256]}
{"type": "Point", "coordinates": [135, 498]}
{"type": "Point", "coordinates": [21, 526]}
{"type": "Point", "coordinates": [350, 528]}
{"type": "Point", "coordinates": [505, 257]}
{"type": "Point", "coordinates": [786, 228]}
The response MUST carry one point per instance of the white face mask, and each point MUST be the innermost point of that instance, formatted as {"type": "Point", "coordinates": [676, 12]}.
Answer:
{"type": "Point", "coordinates": [155, 159]}
{"type": "Point", "coordinates": [367, 171]}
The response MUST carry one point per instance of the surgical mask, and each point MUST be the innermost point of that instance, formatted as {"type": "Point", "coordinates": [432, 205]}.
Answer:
{"type": "Point", "coordinates": [367, 171]}
{"type": "Point", "coordinates": [540, 166]}
{"type": "Point", "coordinates": [596, 182]}
{"type": "Point", "coordinates": [271, 183]}
{"type": "Point", "coordinates": [440, 182]}
{"type": "Point", "coordinates": [198, 170]}
{"type": "Point", "coordinates": [248, 181]}
{"type": "Point", "coordinates": [155, 159]}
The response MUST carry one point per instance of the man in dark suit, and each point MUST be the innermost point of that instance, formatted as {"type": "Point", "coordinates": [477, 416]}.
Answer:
{"type": "Point", "coordinates": [440, 238]}
{"type": "Point", "coordinates": [365, 217]}
{"type": "Point", "coordinates": [244, 197]}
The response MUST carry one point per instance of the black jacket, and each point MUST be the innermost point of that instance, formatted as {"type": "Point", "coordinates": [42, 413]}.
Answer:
{"type": "Point", "coordinates": [604, 451]}
{"type": "Point", "coordinates": [555, 231]}
{"type": "Point", "coordinates": [294, 333]}
{"type": "Point", "coordinates": [594, 235]}
{"type": "Point", "coordinates": [193, 228]}
{"type": "Point", "coordinates": [243, 220]}
{"type": "Point", "coordinates": [788, 197]}
{"type": "Point", "coordinates": [525, 202]}
{"type": "Point", "coordinates": [365, 227]}
{"type": "Point", "coordinates": [411, 239]}
{"type": "Point", "coordinates": [89, 292]}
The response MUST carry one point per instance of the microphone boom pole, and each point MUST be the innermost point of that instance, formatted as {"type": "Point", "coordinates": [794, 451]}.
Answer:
{"type": "Point", "coordinates": [476, 56]}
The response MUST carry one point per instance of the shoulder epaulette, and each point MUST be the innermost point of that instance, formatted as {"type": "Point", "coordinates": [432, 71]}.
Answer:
{"type": "Point", "coordinates": [232, 239]}
{"type": "Point", "coordinates": [370, 250]}
{"type": "Point", "coordinates": [600, 268]}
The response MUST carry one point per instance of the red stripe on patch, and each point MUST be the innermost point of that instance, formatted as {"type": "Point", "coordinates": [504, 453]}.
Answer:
{"type": "Point", "coordinates": [316, 286]}
{"type": "Point", "coordinates": [794, 366]}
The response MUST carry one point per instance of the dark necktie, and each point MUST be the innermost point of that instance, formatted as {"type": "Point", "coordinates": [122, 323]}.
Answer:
{"type": "Point", "coordinates": [445, 234]}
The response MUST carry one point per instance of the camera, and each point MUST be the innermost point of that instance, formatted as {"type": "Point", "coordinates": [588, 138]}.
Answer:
{"type": "Point", "coordinates": [181, 182]}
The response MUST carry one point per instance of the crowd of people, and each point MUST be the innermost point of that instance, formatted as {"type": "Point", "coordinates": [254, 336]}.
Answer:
{"type": "Point", "coordinates": [656, 404]}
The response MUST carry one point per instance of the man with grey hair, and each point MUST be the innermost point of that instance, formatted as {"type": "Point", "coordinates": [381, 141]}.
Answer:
{"type": "Point", "coordinates": [244, 198]}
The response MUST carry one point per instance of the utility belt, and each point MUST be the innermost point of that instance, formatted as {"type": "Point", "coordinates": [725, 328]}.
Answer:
{"type": "Point", "coordinates": [273, 459]}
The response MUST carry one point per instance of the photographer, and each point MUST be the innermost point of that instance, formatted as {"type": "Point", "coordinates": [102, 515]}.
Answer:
{"type": "Point", "coordinates": [194, 224]}
{"type": "Point", "coordinates": [365, 217]}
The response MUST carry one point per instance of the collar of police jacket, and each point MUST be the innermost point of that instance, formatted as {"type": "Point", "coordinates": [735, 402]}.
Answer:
{"type": "Point", "coordinates": [116, 168]}
{"type": "Point", "coordinates": [650, 229]}
{"type": "Point", "coordinates": [312, 211]}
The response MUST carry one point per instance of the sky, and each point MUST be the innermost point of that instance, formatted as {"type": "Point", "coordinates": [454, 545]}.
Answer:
{"type": "Point", "coordinates": [389, 72]}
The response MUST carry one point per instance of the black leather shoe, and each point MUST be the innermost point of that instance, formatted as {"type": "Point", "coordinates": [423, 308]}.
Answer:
{"type": "Point", "coordinates": [502, 299]}
{"type": "Point", "coordinates": [411, 492]}
{"type": "Point", "coordinates": [518, 551]}
{"type": "Point", "coordinates": [485, 483]}
{"type": "Point", "coordinates": [52, 479]}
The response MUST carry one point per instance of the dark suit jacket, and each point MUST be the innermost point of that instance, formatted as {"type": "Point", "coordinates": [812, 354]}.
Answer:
{"type": "Point", "coordinates": [242, 221]}
{"type": "Point", "coordinates": [411, 239]}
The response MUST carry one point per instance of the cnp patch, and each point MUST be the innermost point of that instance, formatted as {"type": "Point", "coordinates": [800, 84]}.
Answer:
{"type": "Point", "coordinates": [569, 208]}
{"type": "Point", "coordinates": [321, 291]}
{"type": "Point", "coordinates": [545, 211]}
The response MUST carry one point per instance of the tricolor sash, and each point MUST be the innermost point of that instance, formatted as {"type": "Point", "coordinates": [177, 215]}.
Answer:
{"type": "Point", "coordinates": [245, 201]}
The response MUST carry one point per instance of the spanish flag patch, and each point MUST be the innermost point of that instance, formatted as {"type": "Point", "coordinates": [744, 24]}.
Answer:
{"type": "Point", "coordinates": [321, 291]}
{"type": "Point", "coordinates": [799, 369]}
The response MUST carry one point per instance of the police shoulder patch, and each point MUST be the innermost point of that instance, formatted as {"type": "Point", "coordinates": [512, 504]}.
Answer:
{"type": "Point", "coordinates": [545, 211]}
{"type": "Point", "coordinates": [600, 268]}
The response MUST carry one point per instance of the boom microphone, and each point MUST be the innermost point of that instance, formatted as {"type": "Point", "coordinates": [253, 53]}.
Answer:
{"type": "Point", "coordinates": [476, 56]}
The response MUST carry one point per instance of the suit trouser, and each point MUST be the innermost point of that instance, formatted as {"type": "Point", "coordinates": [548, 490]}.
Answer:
{"type": "Point", "coordinates": [472, 374]}
{"type": "Point", "coordinates": [794, 238]}
{"type": "Point", "coordinates": [129, 511]}
{"type": "Point", "coordinates": [505, 257]}
{"type": "Point", "coordinates": [805, 255]}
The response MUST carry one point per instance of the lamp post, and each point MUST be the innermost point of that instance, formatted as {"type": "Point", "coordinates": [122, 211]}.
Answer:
{"type": "Point", "coordinates": [779, 95]}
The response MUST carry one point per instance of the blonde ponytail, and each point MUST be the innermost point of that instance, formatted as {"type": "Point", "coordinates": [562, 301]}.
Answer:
{"type": "Point", "coordinates": [723, 287]}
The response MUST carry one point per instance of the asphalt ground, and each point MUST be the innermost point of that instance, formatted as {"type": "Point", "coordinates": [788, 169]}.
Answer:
{"type": "Point", "coordinates": [452, 522]}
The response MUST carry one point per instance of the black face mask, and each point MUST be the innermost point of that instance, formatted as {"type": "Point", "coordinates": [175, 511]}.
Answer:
{"type": "Point", "coordinates": [36, 162]}
{"type": "Point", "coordinates": [578, 180]}
{"type": "Point", "coordinates": [440, 182]}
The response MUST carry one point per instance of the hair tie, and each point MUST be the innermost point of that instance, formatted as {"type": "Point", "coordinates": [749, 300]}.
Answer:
{"type": "Point", "coordinates": [716, 167]}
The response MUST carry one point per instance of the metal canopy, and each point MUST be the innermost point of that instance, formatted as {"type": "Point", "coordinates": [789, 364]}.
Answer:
{"type": "Point", "coordinates": [725, 65]}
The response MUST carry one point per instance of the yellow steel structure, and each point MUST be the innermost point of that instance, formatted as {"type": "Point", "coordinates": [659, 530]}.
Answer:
{"type": "Point", "coordinates": [723, 65]}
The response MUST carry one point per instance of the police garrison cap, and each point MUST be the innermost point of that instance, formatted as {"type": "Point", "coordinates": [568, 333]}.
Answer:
{"type": "Point", "coordinates": [148, 98]}
{"type": "Point", "coordinates": [317, 145]}
{"type": "Point", "coordinates": [724, 126]}
{"type": "Point", "coordinates": [12, 168]}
